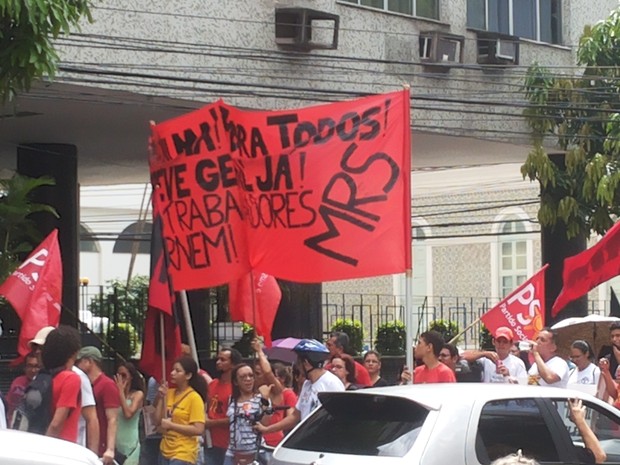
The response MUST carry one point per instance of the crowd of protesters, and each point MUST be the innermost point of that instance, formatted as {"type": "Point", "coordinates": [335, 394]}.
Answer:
{"type": "Point", "coordinates": [194, 418]}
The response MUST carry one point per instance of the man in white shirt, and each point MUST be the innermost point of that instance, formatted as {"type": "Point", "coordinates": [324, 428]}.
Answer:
{"type": "Point", "coordinates": [548, 368]}
{"type": "Point", "coordinates": [311, 355]}
{"type": "Point", "coordinates": [499, 366]}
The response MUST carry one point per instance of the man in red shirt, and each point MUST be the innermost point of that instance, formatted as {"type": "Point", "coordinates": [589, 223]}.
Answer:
{"type": "Point", "coordinates": [58, 355]}
{"type": "Point", "coordinates": [107, 400]}
{"type": "Point", "coordinates": [218, 395]}
{"type": "Point", "coordinates": [337, 345]}
{"type": "Point", "coordinates": [19, 384]}
{"type": "Point", "coordinates": [432, 370]}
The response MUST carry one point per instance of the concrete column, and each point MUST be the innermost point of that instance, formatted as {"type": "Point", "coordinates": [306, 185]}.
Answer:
{"type": "Point", "coordinates": [58, 161]}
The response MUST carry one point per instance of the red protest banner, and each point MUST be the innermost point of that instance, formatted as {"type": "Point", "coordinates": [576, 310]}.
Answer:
{"type": "Point", "coordinates": [35, 290]}
{"type": "Point", "coordinates": [254, 299]}
{"type": "Point", "coordinates": [316, 194]}
{"type": "Point", "coordinates": [522, 311]}
{"type": "Point", "coordinates": [586, 270]}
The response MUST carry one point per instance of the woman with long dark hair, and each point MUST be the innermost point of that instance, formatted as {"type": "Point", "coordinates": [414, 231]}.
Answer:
{"type": "Point", "coordinates": [246, 407]}
{"type": "Point", "coordinates": [180, 413]}
{"type": "Point", "coordinates": [131, 392]}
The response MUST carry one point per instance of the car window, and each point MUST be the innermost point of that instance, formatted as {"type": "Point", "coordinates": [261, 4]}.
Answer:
{"type": "Point", "coordinates": [508, 425]}
{"type": "Point", "coordinates": [361, 424]}
{"type": "Point", "coordinates": [605, 426]}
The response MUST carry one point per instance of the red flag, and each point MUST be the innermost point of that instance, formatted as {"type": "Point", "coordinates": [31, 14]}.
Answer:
{"type": "Point", "coordinates": [35, 290]}
{"type": "Point", "coordinates": [254, 299]}
{"type": "Point", "coordinates": [586, 270]}
{"type": "Point", "coordinates": [309, 195]}
{"type": "Point", "coordinates": [161, 310]}
{"type": "Point", "coordinates": [522, 311]}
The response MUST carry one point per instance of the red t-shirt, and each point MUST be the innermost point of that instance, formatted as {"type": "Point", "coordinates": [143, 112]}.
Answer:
{"type": "Point", "coordinates": [106, 396]}
{"type": "Point", "coordinates": [66, 388]}
{"type": "Point", "coordinates": [217, 403]}
{"type": "Point", "coordinates": [361, 375]}
{"type": "Point", "coordinates": [289, 398]}
{"type": "Point", "coordinates": [439, 374]}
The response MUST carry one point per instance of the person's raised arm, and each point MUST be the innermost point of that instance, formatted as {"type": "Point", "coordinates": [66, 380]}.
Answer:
{"type": "Point", "coordinates": [578, 416]}
{"type": "Point", "coordinates": [471, 356]}
{"type": "Point", "coordinates": [610, 385]}
{"type": "Point", "coordinates": [546, 373]}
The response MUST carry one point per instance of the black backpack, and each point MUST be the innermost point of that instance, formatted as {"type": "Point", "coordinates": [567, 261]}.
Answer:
{"type": "Point", "coordinates": [34, 412]}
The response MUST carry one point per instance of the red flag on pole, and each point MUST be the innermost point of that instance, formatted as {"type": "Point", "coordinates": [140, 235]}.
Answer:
{"type": "Point", "coordinates": [586, 270]}
{"type": "Point", "coordinates": [35, 290]}
{"type": "Point", "coordinates": [254, 299]}
{"type": "Point", "coordinates": [161, 311]}
{"type": "Point", "coordinates": [522, 311]}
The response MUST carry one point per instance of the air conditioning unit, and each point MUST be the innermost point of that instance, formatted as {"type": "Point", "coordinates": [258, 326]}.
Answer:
{"type": "Point", "coordinates": [497, 49]}
{"type": "Point", "coordinates": [441, 48]}
{"type": "Point", "coordinates": [304, 29]}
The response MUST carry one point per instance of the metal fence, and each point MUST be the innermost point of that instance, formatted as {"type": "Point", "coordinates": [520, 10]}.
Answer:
{"type": "Point", "coordinates": [370, 310]}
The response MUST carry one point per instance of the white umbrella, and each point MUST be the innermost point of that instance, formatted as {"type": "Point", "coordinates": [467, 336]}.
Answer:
{"type": "Point", "coordinates": [592, 328]}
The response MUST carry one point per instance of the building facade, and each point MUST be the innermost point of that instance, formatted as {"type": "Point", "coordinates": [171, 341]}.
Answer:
{"type": "Point", "coordinates": [474, 218]}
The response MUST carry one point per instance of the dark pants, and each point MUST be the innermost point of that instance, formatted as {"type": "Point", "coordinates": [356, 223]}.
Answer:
{"type": "Point", "coordinates": [149, 451]}
{"type": "Point", "coordinates": [214, 455]}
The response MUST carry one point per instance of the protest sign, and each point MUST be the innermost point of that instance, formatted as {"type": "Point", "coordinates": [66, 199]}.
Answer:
{"type": "Point", "coordinates": [315, 194]}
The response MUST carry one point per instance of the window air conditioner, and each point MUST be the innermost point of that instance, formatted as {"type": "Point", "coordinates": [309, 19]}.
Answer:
{"type": "Point", "coordinates": [497, 49]}
{"type": "Point", "coordinates": [441, 48]}
{"type": "Point", "coordinates": [303, 29]}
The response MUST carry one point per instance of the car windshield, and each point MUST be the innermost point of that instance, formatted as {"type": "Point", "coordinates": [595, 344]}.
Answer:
{"type": "Point", "coordinates": [361, 424]}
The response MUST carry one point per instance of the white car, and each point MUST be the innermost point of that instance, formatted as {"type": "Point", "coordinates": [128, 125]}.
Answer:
{"type": "Point", "coordinates": [21, 448]}
{"type": "Point", "coordinates": [446, 424]}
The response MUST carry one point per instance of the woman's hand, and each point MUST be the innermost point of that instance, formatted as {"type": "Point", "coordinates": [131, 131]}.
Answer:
{"type": "Point", "coordinates": [121, 382]}
{"type": "Point", "coordinates": [166, 424]}
{"type": "Point", "coordinates": [162, 391]}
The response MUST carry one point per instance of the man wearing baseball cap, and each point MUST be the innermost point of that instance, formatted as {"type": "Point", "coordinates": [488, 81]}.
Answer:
{"type": "Point", "coordinates": [89, 360]}
{"type": "Point", "coordinates": [499, 366]}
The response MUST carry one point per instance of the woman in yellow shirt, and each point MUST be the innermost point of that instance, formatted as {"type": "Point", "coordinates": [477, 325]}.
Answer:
{"type": "Point", "coordinates": [180, 413]}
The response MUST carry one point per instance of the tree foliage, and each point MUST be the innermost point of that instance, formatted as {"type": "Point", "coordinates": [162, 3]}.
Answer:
{"type": "Point", "coordinates": [18, 231]}
{"type": "Point", "coordinates": [581, 113]}
{"type": "Point", "coordinates": [27, 31]}
{"type": "Point", "coordinates": [127, 301]}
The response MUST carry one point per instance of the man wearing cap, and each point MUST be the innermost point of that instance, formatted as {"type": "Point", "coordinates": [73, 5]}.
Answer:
{"type": "Point", "coordinates": [106, 397]}
{"type": "Point", "coordinates": [88, 425]}
{"type": "Point", "coordinates": [499, 366]}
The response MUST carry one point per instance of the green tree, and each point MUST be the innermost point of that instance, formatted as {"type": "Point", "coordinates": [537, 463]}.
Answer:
{"type": "Point", "coordinates": [18, 232]}
{"type": "Point", "coordinates": [580, 113]}
{"type": "Point", "coordinates": [27, 31]}
{"type": "Point", "coordinates": [128, 301]}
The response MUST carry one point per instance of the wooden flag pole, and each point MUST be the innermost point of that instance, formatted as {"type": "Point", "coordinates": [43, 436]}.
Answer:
{"type": "Point", "coordinates": [471, 325]}
{"type": "Point", "coordinates": [189, 327]}
{"type": "Point", "coordinates": [162, 345]}
{"type": "Point", "coordinates": [409, 318]}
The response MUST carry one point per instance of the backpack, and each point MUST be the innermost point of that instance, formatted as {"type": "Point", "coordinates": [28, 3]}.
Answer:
{"type": "Point", "coordinates": [34, 411]}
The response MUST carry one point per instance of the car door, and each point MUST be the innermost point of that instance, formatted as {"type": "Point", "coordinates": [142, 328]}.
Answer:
{"type": "Point", "coordinates": [501, 427]}
{"type": "Point", "coordinates": [604, 421]}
